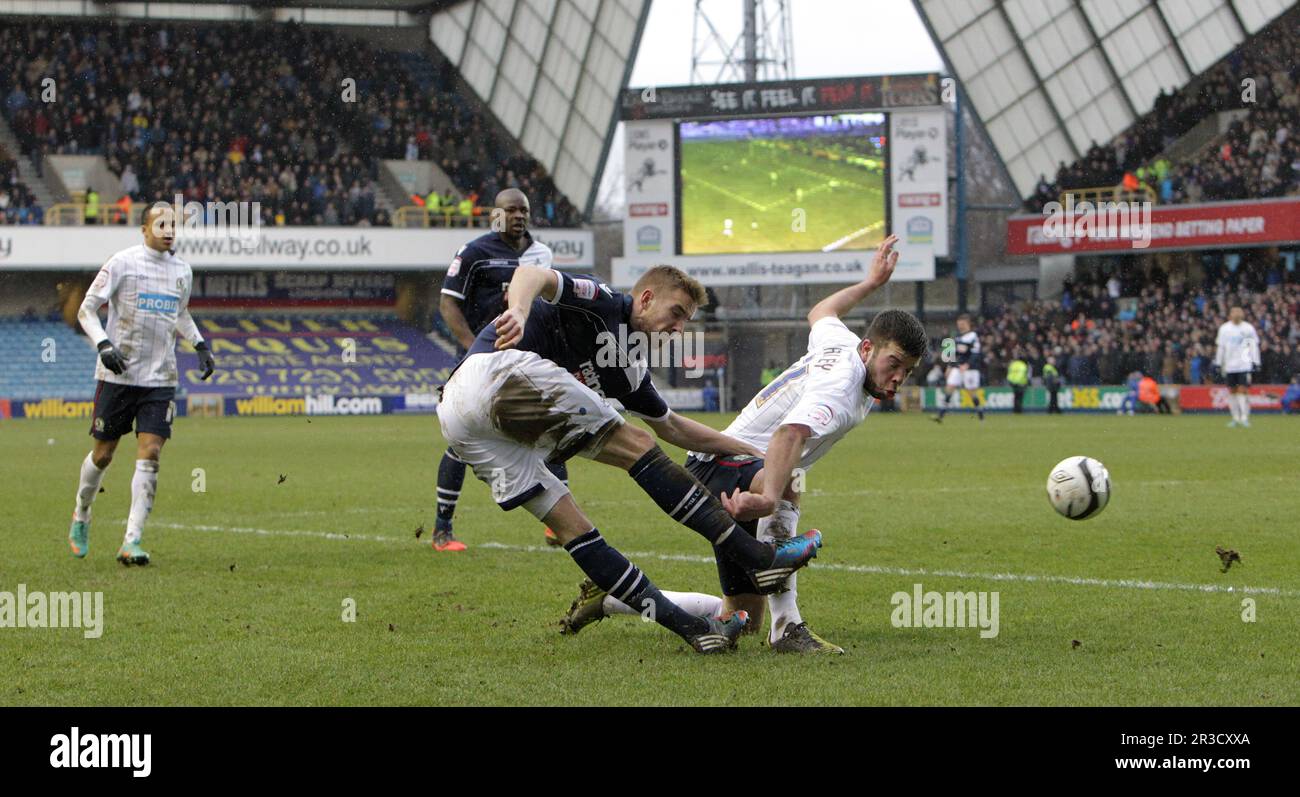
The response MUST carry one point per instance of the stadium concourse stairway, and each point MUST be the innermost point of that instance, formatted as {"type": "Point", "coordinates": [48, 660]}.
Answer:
{"type": "Point", "coordinates": [268, 363]}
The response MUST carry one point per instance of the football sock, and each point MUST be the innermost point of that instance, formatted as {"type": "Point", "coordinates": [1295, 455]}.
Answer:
{"type": "Point", "coordinates": [613, 573]}
{"type": "Point", "coordinates": [694, 603]}
{"type": "Point", "coordinates": [783, 606]}
{"type": "Point", "coordinates": [87, 488]}
{"type": "Point", "coordinates": [451, 478]}
{"type": "Point", "coordinates": [1232, 408]}
{"type": "Point", "coordinates": [1243, 401]}
{"type": "Point", "coordinates": [688, 502]}
{"type": "Point", "coordinates": [144, 485]}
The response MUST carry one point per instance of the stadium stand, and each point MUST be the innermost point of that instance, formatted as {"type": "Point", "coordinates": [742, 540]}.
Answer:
{"type": "Point", "coordinates": [1167, 332]}
{"type": "Point", "coordinates": [44, 359]}
{"type": "Point", "coordinates": [18, 204]}
{"type": "Point", "coordinates": [172, 112]}
{"type": "Point", "coordinates": [263, 353]}
{"type": "Point", "coordinates": [1258, 156]}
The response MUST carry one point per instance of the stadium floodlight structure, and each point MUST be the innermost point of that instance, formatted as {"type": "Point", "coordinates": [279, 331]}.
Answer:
{"type": "Point", "coordinates": [551, 72]}
{"type": "Point", "coordinates": [1046, 78]}
{"type": "Point", "coordinates": [764, 50]}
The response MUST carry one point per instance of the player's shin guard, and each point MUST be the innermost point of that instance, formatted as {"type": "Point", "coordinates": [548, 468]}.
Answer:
{"type": "Point", "coordinates": [451, 478]}
{"type": "Point", "coordinates": [144, 485]}
{"type": "Point", "coordinates": [87, 488]}
{"type": "Point", "coordinates": [688, 502]}
{"type": "Point", "coordinates": [613, 573]}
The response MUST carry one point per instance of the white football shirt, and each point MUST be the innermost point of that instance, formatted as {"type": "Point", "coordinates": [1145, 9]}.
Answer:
{"type": "Point", "coordinates": [824, 390]}
{"type": "Point", "coordinates": [1236, 348]}
{"type": "Point", "coordinates": [148, 296]}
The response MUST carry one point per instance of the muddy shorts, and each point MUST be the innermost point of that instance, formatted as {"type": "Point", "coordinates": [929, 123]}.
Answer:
{"type": "Point", "coordinates": [507, 414]}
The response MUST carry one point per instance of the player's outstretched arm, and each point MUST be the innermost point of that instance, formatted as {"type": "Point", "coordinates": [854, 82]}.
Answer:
{"type": "Point", "coordinates": [782, 455]}
{"type": "Point", "coordinates": [528, 283]}
{"type": "Point", "coordinates": [778, 468]}
{"type": "Point", "coordinates": [842, 301]}
{"type": "Point", "coordinates": [695, 436]}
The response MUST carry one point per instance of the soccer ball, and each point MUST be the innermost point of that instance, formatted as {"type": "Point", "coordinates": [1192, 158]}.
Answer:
{"type": "Point", "coordinates": [1079, 487]}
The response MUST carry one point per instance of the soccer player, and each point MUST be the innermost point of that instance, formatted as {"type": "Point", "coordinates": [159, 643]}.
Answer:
{"type": "Point", "coordinates": [964, 374]}
{"type": "Point", "coordinates": [1236, 353]}
{"type": "Point", "coordinates": [532, 390]}
{"type": "Point", "coordinates": [796, 420]}
{"type": "Point", "coordinates": [473, 293]}
{"type": "Point", "coordinates": [147, 289]}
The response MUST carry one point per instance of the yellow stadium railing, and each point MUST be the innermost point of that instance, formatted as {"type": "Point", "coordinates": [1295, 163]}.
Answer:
{"type": "Point", "coordinates": [73, 214]}
{"type": "Point", "coordinates": [1111, 193]}
{"type": "Point", "coordinates": [417, 216]}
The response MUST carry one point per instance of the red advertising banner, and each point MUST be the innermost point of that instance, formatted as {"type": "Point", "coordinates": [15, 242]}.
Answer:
{"type": "Point", "coordinates": [1211, 398]}
{"type": "Point", "coordinates": [1077, 228]}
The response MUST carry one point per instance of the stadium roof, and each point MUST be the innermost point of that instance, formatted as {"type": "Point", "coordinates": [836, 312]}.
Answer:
{"type": "Point", "coordinates": [551, 71]}
{"type": "Point", "coordinates": [1048, 77]}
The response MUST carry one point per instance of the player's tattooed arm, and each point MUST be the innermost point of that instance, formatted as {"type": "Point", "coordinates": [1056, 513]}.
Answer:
{"type": "Point", "coordinates": [449, 306]}
{"type": "Point", "coordinates": [695, 436]}
{"type": "Point", "coordinates": [839, 304]}
{"type": "Point", "coordinates": [527, 284]}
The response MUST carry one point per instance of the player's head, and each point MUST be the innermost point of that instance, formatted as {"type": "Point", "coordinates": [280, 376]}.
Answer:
{"type": "Point", "coordinates": [963, 323]}
{"type": "Point", "coordinates": [664, 299]}
{"type": "Point", "coordinates": [510, 213]}
{"type": "Point", "coordinates": [1236, 314]}
{"type": "Point", "coordinates": [159, 226]}
{"type": "Point", "coordinates": [895, 342]}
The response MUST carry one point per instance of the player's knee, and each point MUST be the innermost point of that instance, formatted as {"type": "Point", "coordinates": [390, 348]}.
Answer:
{"type": "Point", "coordinates": [149, 451]}
{"type": "Point", "coordinates": [102, 459]}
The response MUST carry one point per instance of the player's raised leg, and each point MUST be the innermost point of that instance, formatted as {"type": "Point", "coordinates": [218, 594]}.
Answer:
{"type": "Point", "coordinates": [683, 498]}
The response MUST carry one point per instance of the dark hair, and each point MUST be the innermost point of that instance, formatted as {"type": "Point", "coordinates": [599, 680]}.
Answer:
{"type": "Point", "coordinates": [902, 328]}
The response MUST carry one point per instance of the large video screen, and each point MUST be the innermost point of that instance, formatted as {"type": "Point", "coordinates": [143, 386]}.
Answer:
{"type": "Point", "coordinates": [789, 184]}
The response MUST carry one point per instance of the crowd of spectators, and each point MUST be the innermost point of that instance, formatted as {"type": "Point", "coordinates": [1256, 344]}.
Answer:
{"type": "Point", "coordinates": [1258, 156]}
{"type": "Point", "coordinates": [18, 204]}
{"type": "Point", "coordinates": [1165, 328]}
{"type": "Point", "coordinates": [295, 118]}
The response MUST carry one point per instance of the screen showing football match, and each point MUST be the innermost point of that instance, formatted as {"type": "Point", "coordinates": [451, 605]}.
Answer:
{"type": "Point", "coordinates": [788, 184]}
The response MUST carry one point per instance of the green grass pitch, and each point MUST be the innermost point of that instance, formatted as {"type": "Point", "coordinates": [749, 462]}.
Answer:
{"type": "Point", "coordinates": [733, 180]}
{"type": "Point", "coordinates": [244, 601]}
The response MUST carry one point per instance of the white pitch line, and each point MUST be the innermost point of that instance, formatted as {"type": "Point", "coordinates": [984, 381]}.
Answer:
{"type": "Point", "coordinates": [876, 570]}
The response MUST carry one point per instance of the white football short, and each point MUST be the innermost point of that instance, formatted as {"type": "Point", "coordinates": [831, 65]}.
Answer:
{"type": "Point", "coordinates": [970, 379]}
{"type": "Point", "coordinates": [506, 413]}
